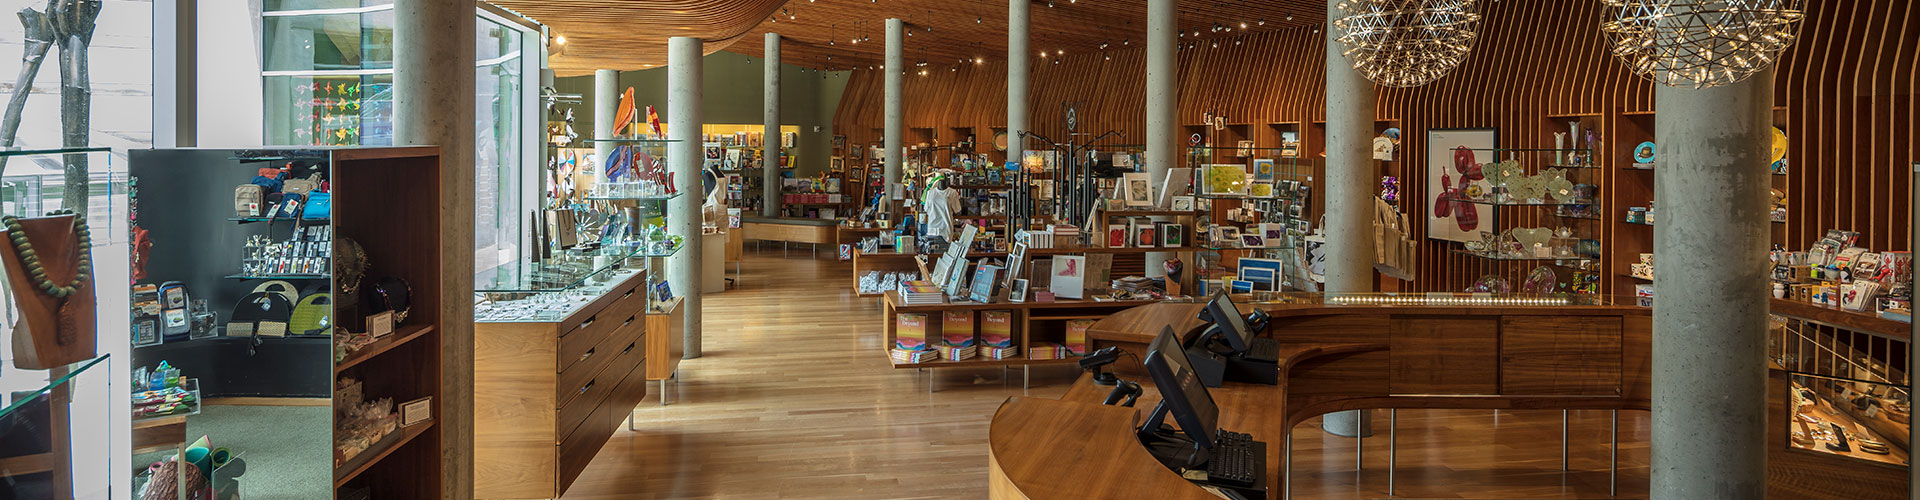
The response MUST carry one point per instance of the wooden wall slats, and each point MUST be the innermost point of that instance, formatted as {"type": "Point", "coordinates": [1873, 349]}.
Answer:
{"type": "Point", "coordinates": [1845, 89]}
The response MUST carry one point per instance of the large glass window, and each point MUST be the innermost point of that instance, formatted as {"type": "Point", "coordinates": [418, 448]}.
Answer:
{"type": "Point", "coordinates": [328, 81]}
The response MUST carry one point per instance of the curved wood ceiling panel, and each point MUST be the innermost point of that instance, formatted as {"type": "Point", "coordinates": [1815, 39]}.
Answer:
{"type": "Point", "coordinates": [819, 34]}
{"type": "Point", "coordinates": [632, 34]}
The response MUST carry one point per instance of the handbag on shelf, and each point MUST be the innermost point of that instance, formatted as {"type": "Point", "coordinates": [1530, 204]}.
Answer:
{"type": "Point", "coordinates": [319, 206]}
{"type": "Point", "coordinates": [1394, 250]}
{"type": "Point", "coordinates": [247, 200]}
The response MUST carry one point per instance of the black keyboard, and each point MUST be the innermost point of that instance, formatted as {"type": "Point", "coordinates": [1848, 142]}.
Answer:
{"type": "Point", "coordinates": [1264, 349]}
{"type": "Point", "coordinates": [1236, 459]}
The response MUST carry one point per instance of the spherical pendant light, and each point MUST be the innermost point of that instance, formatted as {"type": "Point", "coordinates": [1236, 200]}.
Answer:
{"type": "Point", "coordinates": [1700, 43]}
{"type": "Point", "coordinates": [1407, 43]}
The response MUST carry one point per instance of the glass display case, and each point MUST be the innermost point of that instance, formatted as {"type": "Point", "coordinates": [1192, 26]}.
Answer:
{"type": "Point", "coordinates": [1542, 211]}
{"type": "Point", "coordinates": [599, 228]}
{"type": "Point", "coordinates": [1262, 209]}
{"type": "Point", "coordinates": [1847, 383]}
{"type": "Point", "coordinates": [55, 430]}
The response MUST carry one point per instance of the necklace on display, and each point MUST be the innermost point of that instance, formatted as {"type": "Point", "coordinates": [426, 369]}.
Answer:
{"type": "Point", "coordinates": [38, 273]}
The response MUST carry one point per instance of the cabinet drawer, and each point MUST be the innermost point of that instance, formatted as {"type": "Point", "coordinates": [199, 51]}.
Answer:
{"type": "Point", "coordinates": [575, 344]}
{"type": "Point", "coordinates": [629, 393]}
{"type": "Point", "coordinates": [594, 360]}
{"type": "Point", "coordinates": [583, 403]}
{"type": "Point", "coordinates": [633, 299]}
{"type": "Point", "coordinates": [577, 450]}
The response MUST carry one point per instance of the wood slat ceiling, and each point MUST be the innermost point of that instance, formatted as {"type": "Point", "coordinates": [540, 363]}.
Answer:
{"type": "Point", "coordinates": [819, 34]}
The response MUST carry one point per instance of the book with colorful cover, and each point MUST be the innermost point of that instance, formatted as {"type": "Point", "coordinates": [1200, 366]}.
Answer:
{"type": "Point", "coordinates": [1047, 350]}
{"type": "Point", "coordinates": [996, 328]}
{"type": "Point", "coordinates": [910, 332]}
{"type": "Point", "coordinates": [1000, 352]}
{"type": "Point", "coordinates": [1077, 336]}
{"type": "Point", "coordinates": [956, 328]}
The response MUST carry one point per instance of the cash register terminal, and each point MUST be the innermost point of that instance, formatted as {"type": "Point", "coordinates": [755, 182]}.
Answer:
{"type": "Point", "coordinates": [1227, 348]}
{"type": "Point", "coordinates": [1231, 460]}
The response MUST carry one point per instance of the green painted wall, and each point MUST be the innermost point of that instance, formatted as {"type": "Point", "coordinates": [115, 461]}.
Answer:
{"type": "Point", "coordinates": [731, 94]}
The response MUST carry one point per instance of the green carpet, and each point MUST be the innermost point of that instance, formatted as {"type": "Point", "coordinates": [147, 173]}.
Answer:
{"type": "Point", "coordinates": [282, 452]}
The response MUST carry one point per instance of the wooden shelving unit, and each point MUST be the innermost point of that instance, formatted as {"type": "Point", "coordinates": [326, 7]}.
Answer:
{"type": "Point", "coordinates": [1033, 323]}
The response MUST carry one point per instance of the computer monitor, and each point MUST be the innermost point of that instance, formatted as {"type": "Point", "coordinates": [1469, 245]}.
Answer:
{"type": "Point", "coordinates": [1181, 392]}
{"type": "Point", "coordinates": [1232, 327]}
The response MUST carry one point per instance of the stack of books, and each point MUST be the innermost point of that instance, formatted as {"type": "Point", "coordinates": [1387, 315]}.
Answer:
{"type": "Point", "coordinates": [996, 328]}
{"type": "Point", "coordinates": [1140, 285]}
{"type": "Point", "coordinates": [1000, 352]}
{"type": "Point", "coordinates": [1047, 350]}
{"type": "Point", "coordinates": [920, 292]}
{"type": "Point", "coordinates": [1066, 235]}
{"type": "Point", "coordinates": [952, 352]}
{"type": "Point", "coordinates": [908, 356]}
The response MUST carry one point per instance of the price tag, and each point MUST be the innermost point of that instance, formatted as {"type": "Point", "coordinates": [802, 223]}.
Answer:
{"type": "Point", "coordinates": [416, 411]}
{"type": "Point", "coordinates": [380, 325]}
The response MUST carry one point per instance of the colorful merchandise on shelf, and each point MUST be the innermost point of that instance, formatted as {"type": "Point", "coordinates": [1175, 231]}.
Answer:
{"type": "Point", "coordinates": [911, 332]}
{"type": "Point", "coordinates": [996, 328]}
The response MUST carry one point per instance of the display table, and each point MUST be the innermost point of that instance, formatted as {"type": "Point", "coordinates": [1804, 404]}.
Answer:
{"type": "Point", "coordinates": [790, 229]}
{"type": "Point", "coordinates": [666, 344]}
{"type": "Point", "coordinates": [548, 394]}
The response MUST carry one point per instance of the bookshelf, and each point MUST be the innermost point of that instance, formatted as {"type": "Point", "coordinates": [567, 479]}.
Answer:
{"type": "Point", "coordinates": [1034, 323]}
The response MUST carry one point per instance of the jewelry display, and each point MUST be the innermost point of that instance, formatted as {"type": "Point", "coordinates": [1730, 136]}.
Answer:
{"type": "Point", "coordinates": [56, 325]}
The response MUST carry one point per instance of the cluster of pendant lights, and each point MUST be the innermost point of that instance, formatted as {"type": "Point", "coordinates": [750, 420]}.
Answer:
{"type": "Point", "coordinates": [1679, 43]}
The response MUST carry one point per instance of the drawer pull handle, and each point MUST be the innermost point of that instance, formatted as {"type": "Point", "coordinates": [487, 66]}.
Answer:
{"type": "Point", "coordinates": [629, 321]}
{"type": "Point", "coordinates": [628, 294]}
{"type": "Point", "coordinates": [583, 389]}
{"type": "Point", "coordinates": [587, 323]}
{"type": "Point", "coordinates": [629, 347]}
{"type": "Point", "coordinates": [589, 354]}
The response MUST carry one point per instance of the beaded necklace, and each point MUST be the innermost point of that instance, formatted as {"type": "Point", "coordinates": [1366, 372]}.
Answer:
{"type": "Point", "coordinates": [32, 261]}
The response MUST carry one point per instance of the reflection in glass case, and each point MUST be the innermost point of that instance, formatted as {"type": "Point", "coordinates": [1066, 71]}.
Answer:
{"type": "Point", "coordinates": [1864, 420]}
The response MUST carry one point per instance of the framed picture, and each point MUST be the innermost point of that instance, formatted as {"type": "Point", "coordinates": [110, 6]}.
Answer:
{"type": "Point", "coordinates": [1182, 203]}
{"type": "Point", "coordinates": [1245, 149]}
{"type": "Point", "coordinates": [1263, 279]}
{"type": "Point", "coordinates": [1224, 180]}
{"type": "Point", "coordinates": [1018, 291]}
{"type": "Point", "coordinates": [839, 142]}
{"type": "Point", "coordinates": [1253, 239]}
{"type": "Point", "coordinates": [1263, 169]}
{"type": "Point", "coordinates": [1451, 153]}
{"type": "Point", "coordinates": [1138, 190]}
{"type": "Point", "coordinates": [1260, 189]}
{"type": "Point", "coordinates": [1179, 181]}
{"type": "Point", "coordinates": [1239, 286]}
{"type": "Point", "coordinates": [839, 164]}
{"type": "Point", "coordinates": [1017, 263]}
{"type": "Point", "coordinates": [1172, 235]}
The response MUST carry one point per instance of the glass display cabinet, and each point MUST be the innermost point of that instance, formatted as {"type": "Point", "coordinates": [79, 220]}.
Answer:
{"type": "Point", "coordinates": [1531, 215]}
{"type": "Point", "coordinates": [1260, 209]}
{"type": "Point", "coordinates": [305, 279]}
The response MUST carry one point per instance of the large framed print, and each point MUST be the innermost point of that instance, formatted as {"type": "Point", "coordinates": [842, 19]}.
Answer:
{"type": "Point", "coordinates": [1453, 156]}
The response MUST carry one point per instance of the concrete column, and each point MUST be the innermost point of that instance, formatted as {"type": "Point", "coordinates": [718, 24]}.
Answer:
{"type": "Point", "coordinates": [684, 158]}
{"type": "Point", "coordinates": [770, 111]}
{"type": "Point", "coordinates": [895, 70]}
{"type": "Point", "coordinates": [176, 68]}
{"type": "Point", "coordinates": [1709, 351]}
{"type": "Point", "coordinates": [606, 103]}
{"type": "Point", "coordinates": [1163, 132]}
{"type": "Point", "coordinates": [1019, 68]}
{"type": "Point", "coordinates": [433, 104]}
{"type": "Point", "coordinates": [1350, 178]}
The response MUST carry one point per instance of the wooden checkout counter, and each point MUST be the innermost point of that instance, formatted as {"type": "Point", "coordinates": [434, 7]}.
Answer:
{"type": "Point", "coordinates": [1364, 351]}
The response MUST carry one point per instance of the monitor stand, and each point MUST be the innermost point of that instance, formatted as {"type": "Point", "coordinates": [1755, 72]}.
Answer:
{"type": "Point", "coordinates": [1216, 363]}
{"type": "Point", "coordinates": [1173, 448]}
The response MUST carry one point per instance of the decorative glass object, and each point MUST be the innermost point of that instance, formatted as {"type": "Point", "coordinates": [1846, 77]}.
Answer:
{"type": "Point", "coordinates": [1700, 43]}
{"type": "Point", "coordinates": [1407, 43]}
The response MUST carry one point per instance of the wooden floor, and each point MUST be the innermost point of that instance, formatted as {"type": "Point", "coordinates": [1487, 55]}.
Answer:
{"type": "Point", "coordinates": [795, 399]}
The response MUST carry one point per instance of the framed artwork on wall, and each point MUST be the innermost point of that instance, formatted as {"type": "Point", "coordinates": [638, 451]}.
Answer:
{"type": "Point", "coordinates": [1453, 156]}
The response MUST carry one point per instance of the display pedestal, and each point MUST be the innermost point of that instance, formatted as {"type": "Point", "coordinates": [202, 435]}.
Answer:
{"type": "Point", "coordinates": [713, 262]}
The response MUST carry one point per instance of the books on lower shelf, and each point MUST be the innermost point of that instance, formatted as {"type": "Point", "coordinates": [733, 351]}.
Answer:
{"type": "Point", "coordinates": [1000, 352]}
{"type": "Point", "coordinates": [1047, 350]}
{"type": "Point", "coordinates": [921, 292]}
{"type": "Point", "coordinates": [907, 356]}
{"type": "Point", "coordinates": [957, 353]}
{"type": "Point", "coordinates": [956, 328]}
